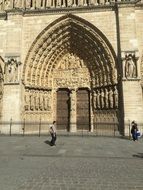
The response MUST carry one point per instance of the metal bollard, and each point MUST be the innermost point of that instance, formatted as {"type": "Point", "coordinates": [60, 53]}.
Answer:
{"type": "Point", "coordinates": [10, 126]}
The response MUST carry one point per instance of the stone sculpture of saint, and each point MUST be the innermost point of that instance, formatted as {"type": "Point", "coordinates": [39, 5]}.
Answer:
{"type": "Point", "coordinates": [46, 101]}
{"type": "Point", "coordinates": [28, 4]}
{"type": "Point", "coordinates": [59, 3]}
{"type": "Point", "coordinates": [98, 99]}
{"type": "Point", "coordinates": [12, 70]}
{"type": "Point", "coordinates": [27, 100]}
{"type": "Point", "coordinates": [106, 99]}
{"type": "Point", "coordinates": [1, 5]}
{"type": "Point", "coordinates": [110, 96]}
{"type": "Point", "coordinates": [7, 4]}
{"type": "Point", "coordinates": [36, 96]}
{"type": "Point", "coordinates": [32, 101]}
{"type": "Point", "coordinates": [102, 98]}
{"type": "Point", "coordinates": [95, 100]}
{"type": "Point", "coordinates": [41, 101]}
{"type": "Point", "coordinates": [69, 3]}
{"type": "Point", "coordinates": [130, 68]}
{"type": "Point", "coordinates": [17, 3]}
{"type": "Point", "coordinates": [49, 3]}
{"type": "Point", "coordinates": [115, 97]}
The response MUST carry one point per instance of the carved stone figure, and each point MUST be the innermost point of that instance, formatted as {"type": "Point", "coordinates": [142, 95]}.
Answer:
{"type": "Point", "coordinates": [1, 5]}
{"type": "Point", "coordinates": [106, 99]}
{"type": "Point", "coordinates": [17, 3]}
{"type": "Point", "coordinates": [115, 97]}
{"type": "Point", "coordinates": [32, 102]}
{"type": "Point", "coordinates": [7, 4]}
{"type": "Point", "coordinates": [64, 3]}
{"type": "Point", "coordinates": [11, 70]}
{"type": "Point", "coordinates": [94, 100]}
{"type": "Point", "coordinates": [74, 3]}
{"type": "Point", "coordinates": [98, 99]}
{"type": "Point", "coordinates": [130, 67]}
{"type": "Point", "coordinates": [110, 96]}
{"type": "Point", "coordinates": [28, 4]}
{"type": "Point", "coordinates": [27, 101]}
{"type": "Point", "coordinates": [59, 3]}
{"type": "Point", "coordinates": [41, 102]}
{"type": "Point", "coordinates": [36, 97]}
{"type": "Point", "coordinates": [69, 3]}
{"type": "Point", "coordinates": [48, 3]}
{"type": "Point", "coordinates": [46, 101]}
{"type": "Point", "coordinates": [102, 98]}
{"type": "Point", "coordinates": [80, 2]}
{"type": "Point", "coordinates": [38, 4]}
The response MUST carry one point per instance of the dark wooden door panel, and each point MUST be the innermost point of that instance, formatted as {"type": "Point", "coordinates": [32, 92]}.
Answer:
{"type": "Point", "coordinates": [63, 109]}
{"type": "Point", "coordinates": [83, 112]}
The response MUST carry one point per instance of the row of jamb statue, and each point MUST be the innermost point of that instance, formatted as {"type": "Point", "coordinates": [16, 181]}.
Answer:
{"type": "Point", "coordinates": [33, 4]}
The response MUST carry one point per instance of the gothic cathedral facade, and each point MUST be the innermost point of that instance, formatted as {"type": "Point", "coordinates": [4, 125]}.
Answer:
{"type": "Point", "coordinates": [79, 62]}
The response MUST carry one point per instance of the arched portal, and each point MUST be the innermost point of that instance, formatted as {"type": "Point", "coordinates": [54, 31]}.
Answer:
{"type": "Point", "coordinates": [70, 54]}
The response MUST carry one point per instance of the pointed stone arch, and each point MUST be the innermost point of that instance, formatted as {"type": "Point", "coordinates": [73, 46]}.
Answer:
{"type": "Point", "coordinates": [71, 46]}
{"type": "Point", "coordinates": [72, 34]}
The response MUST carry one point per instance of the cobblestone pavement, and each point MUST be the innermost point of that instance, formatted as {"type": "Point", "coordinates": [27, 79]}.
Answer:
{"type": "Point", "coordinates": [75, 163]}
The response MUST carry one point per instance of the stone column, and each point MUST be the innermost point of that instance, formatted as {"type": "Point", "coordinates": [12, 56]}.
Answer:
{"type": "Point", "coordinates": [91, 112]}
{"type": "Point", "coordinates": [73, 127]}
{"type": "Point", "coordinates": [54, 106]}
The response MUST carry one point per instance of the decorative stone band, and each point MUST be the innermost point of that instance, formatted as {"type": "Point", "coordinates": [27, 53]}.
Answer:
{"type": "Point", "coordinates": [45, 4]}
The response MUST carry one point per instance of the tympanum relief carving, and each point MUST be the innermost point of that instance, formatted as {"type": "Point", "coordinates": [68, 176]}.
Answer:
{"type": "Point", "coordinates": [71, 72]}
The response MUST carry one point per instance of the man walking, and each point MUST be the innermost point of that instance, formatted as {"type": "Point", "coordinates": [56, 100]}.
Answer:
{"type": "Point", "coordinates": [53, 133]}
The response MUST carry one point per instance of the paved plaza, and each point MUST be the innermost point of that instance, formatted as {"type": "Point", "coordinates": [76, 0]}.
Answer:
{"type": "Point", "coordinates": [75, 163]}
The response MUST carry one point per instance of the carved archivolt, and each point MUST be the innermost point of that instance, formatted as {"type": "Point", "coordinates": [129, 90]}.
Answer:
{"type": "Point", "coordinates": [70, 43]}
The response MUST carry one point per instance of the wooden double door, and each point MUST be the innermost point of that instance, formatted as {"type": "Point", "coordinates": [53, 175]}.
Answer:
{"type": "Point", "coordinates": [64, 109]}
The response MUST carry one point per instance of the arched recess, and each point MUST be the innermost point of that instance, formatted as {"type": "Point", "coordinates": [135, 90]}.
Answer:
{"type": "Point", "coordinates": [73, 47]}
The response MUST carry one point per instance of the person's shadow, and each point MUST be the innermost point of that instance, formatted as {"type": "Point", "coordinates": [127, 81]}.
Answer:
{"type": "Point", "coordinates": [47, 142]}
{"type": "Point", "coordinates": [138, 155]}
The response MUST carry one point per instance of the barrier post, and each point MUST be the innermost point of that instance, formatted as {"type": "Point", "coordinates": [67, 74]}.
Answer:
{"type": "Point", "coordinates": [10, 126]}
{"type": "Point", "coordinates": [40, 127]}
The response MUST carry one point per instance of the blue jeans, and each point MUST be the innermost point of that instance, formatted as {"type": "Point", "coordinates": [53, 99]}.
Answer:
{"type": "Point", "coordinates": [134, 135]}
